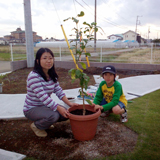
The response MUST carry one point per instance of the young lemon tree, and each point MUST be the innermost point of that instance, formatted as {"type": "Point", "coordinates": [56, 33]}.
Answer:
{"type": "Point", "coordinates": [82, 36]}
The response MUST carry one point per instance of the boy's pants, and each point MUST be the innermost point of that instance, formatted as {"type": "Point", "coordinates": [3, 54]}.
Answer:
{"type": "Point", "coordinates": [119, 103]}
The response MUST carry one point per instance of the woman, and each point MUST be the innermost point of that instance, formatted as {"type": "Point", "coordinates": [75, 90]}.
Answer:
{"type": "Point", "coordinates": [41, 83]}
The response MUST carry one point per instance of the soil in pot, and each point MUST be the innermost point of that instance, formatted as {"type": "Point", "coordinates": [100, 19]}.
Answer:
{"type": "Point", "coordinates": [80, 112]}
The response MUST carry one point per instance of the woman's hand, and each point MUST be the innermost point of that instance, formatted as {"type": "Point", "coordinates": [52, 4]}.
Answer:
{"type": "Point", "coordinates": [65, 100]}
{"type": "Point", "coordinates": [63, 111]}
{"type": "Point", "coordinates": [73, 104]}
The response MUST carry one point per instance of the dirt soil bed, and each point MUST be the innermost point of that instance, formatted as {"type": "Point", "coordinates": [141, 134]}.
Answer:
{"type": "Point", "coordinates": [112, 136]}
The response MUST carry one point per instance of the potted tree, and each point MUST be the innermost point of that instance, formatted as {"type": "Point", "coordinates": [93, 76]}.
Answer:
{"type": "Point", "coordinates": [83, 118]}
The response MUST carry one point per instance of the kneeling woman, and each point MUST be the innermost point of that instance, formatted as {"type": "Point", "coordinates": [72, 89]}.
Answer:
{"type": "Point", "coordinates": [39, 107]}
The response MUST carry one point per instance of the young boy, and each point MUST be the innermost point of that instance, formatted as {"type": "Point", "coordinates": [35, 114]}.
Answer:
{"type": "Point", "coordinates": [110, 97]}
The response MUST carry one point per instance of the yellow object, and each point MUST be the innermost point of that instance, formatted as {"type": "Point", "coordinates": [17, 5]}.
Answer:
{"type": "Point", "coordinates": [69, 47]}
{"type": "Point", "coordinates": [87, 60]}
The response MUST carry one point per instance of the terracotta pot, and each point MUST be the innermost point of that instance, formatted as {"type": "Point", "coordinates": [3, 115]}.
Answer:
{"type": "Point", "coordinates": [84, 127]}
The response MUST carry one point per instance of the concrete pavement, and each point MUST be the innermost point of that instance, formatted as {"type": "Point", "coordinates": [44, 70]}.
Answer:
{"type": "Point", "coordinates": [5, 66]}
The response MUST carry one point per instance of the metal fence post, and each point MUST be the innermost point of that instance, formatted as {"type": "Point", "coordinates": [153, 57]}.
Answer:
{"type": "Point", "coordinates": [151, 52]}
{"type": "Point", "coordinates": [60, 52]}
{"type": "Point", "coordinates": [101, 55]}
{"type": "Point", "coordinates": [11, 52]}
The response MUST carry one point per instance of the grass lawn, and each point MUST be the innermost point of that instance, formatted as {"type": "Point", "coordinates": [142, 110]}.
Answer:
{"type": "Point", "coordinates": [144, 118]}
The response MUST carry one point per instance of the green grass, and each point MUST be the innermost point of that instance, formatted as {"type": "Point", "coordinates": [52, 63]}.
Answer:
{"type": "Point", "coordinates": [144, 119]}
{"type": "Point", "coordinates": [7, 57]}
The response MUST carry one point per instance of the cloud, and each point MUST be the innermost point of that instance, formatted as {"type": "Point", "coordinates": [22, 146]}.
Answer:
{"type": "Point", "coordinates": [113, 16]}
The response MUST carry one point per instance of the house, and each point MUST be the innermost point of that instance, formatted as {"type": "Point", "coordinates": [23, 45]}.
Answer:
{"type": "Point", "coordinates": [2, 41]}
{"type": "Point", "coordinates": [115, 37]}
{"type": "Point", "coordinates": [133, 36]}
{"type": "Point", "coordinates": [18, 36]}
{"type": "Point", "coordinates": [130, 35]}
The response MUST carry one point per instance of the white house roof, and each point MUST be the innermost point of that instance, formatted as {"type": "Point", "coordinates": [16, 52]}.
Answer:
{"type": "Point", "coordinates": [130, 31]}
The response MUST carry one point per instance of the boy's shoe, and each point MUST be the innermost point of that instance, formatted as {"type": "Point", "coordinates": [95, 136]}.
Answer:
{"type": "Point", "coordinates": [38, 132]}
{"type": "Point", "coordinates": [124, 117]}
{"type": "Point", "coordinates": [106, 113]}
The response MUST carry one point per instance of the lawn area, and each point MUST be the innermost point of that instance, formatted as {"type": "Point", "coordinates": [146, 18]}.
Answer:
{"type": "Point", "coordinates": [144, 119]}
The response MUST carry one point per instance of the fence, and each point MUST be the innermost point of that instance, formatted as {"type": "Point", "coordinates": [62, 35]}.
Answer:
{"type": "Point", "coordinates": [120, 53]}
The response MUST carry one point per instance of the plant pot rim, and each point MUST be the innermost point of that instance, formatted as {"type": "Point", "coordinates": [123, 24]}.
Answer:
{"type": "Point", "coordinates": [84, 117]}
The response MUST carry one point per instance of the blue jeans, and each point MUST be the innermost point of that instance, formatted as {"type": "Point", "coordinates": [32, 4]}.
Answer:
{"type": "Point", "coordinates": [119, 103]}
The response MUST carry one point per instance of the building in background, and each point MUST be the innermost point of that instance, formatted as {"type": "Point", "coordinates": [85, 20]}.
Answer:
{"type": "Point", "coordinates": [114, 37]}
{"type": "Point", "coordinates": [18, 36]}
{"type": "Point", "coordinates": [2, 41]}
{"type": "Point", "coordinates": [130, 35]}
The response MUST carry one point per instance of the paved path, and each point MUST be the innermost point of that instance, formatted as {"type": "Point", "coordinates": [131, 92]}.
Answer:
{"type": "Point", "coordinates": [133, 87]}
{"type": "Point", "coordinates": [5, 66]}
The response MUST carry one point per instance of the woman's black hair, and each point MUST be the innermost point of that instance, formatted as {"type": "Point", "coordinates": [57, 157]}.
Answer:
{"type": "Point", "coordinates": [37, 66]}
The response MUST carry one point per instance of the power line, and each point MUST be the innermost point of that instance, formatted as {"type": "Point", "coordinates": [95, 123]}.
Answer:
{"type": "Point", "coordinates": [75, 6]}
{"type": "Point", "coordinates": [57, 13]}
{"type": "Point", "coordinates": [104, 19]}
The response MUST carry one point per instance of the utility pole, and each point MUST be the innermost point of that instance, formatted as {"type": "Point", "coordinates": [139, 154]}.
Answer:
{"type": "Point", "coordinates": [95, 26]}
{"type": "Point", "coordinates": [137, 23]}
{"type": "Point", "coordinates": [28, 33]}
{"type": "Point", "coordinates": [148, 32]}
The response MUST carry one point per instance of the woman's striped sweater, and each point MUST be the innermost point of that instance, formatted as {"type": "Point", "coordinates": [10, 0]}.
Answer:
{"type": "Point", "coordinates": [39, 92]}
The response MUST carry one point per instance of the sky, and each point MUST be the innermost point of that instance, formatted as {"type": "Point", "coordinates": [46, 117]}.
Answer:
{"type": "Point", "coordinates": [113, 16]}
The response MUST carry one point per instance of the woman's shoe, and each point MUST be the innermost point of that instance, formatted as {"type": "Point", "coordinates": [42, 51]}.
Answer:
{"type": "Point", "coordinates": [38, 132]}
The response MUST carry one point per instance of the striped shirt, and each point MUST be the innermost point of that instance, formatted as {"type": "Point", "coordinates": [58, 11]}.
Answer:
{"type": "Point", "coordinates": [39, 92]}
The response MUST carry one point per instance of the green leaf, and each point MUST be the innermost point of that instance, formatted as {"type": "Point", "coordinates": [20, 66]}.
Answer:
{"type": "Point", "coordinates": [96, 29]}
{"type": "Point", "coordinates": [81, 14]}
{"type": "Point", "coordinates": [83, 65]}
{"type": "Point", "coordinates": [87, 54]}
{"type": "Point", "coordinates": [85, 23]}
{"type": "Point", "coordinates": [88, 101]}
{"type": "Point", "coordinates": [85, 40]}
{"type": "Point", "coordinates": [72, 73]}
{"type": "Point", "coordinates": [82, 47]}
{"type": "Point", "coordinates": [75, 20]}
{"type": "Point", "coordinates": [87, 30]}
{"type": "Point", "coordinates": [78, 73]}
{"type": "Point", "coordinates": [74, 29]}
{"type": "Point", "coordinates": [93, 23]}
{"type": "Point", "coordinates": [67, 19]}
